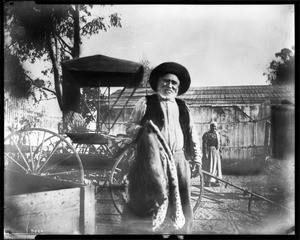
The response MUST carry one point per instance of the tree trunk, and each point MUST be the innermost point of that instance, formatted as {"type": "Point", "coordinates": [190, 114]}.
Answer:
{"type": "Point", "coordinates": [55, 71]}
{"type": "Point", "coordinates": [76, 49]}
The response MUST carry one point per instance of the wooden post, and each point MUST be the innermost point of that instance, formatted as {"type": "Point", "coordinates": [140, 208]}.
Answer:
{"type": "Point", "coordinates": [87, 219]}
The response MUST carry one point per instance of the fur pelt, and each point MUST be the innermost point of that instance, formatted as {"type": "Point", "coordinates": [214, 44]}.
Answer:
{"type": "Point", "coordinates": [153, 180]}
{"type": "Point", "coordinates": [148, 181]}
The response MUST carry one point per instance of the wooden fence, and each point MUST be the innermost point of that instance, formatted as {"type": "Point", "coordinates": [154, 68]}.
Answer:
{"type": "Point", "coordinates": [244, 131]}
{"type": "Point", "coordinates": [17, 110]}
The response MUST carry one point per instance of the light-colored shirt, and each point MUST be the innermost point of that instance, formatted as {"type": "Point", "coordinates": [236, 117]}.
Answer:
{"type": "Point", "coordinates": [171, 129]}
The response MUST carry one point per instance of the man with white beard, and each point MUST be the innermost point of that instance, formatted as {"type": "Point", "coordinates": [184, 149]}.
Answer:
{"type": "Point", "coordinates": [173, 118]}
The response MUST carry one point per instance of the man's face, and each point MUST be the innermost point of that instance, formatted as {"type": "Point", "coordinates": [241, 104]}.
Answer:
{"type": "Point", "coordinates": [168, 85]}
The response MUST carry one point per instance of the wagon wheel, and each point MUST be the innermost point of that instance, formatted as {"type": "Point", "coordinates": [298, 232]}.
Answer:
{"type": "Point", "coordinates": [118, 182]}
{"type": "Point", "coordinates": [197, 188]}
{"type": "Point", "coordinates": [41, 152]}
{"type": "Point", "coordinates": [118, 178]}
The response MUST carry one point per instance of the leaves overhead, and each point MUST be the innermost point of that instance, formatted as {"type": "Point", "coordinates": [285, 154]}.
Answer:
{"type": "Point", "coordinates": [32, 25]}
{"type": "Point", "coordinates": [282, 70]}
{"type": "Point", "coordinates": [14, 76]}
{"type": "Point", "coordinates": [94, 26]}
{"type": "Point", "coordinates": [50, 32]}
{"type": "Point", "coordinates": [147, 70]}
{"type": "Point", "coordinates": [115, 20]}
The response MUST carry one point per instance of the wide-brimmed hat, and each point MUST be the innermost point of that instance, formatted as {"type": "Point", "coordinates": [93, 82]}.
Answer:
{"type": "Point", "coordinates": [171, 68]}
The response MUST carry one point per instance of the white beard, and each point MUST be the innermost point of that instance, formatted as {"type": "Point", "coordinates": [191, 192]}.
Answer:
{"type": "Point", "coordinates": [170, 96]}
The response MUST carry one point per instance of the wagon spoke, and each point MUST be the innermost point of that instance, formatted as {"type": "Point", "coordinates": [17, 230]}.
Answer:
{"type": "Point", "coordinates": [51, 154]}
{"type": "Point", "coordinates": [6, 154]}
{"type": "Point", "coordinates": [46, 150]}
{"type": "Point", "coordinates": [118, 181]}
{"type": "Point", "coordinates": [57, 163]}
{"type": "Point", "coordinates": [197, 186]}
{"type": "Point", "coordinates": [31, 155]}
{"type": "Point", "coordinates": [23, 157]}
{"type": "Point", "coordinates": [40, 153]}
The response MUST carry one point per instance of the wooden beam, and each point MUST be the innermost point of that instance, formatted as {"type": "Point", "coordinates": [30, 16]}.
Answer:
{"type": "Point", "coordinates": [20, 183]}
{"type": "Point", "coordinates": [64, 211]}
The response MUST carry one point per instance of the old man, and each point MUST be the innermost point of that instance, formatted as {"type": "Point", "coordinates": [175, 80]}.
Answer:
{"type": "Point", "coordinates": [174, 120]}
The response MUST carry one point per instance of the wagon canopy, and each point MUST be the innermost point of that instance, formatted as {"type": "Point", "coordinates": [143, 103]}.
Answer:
{"type": "Point", "coordinates": [96, 71]}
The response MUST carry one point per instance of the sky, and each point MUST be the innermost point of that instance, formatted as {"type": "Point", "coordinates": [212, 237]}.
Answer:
{"type": "Point", "coordinates": [220, 45]}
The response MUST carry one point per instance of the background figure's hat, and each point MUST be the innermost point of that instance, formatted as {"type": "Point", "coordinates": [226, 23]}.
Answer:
{"type": "Point", "coordinates": [171, 68]}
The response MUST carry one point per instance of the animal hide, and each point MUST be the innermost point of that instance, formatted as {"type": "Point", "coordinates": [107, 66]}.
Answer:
{"type": "Point", "coordinates": [153, 181]}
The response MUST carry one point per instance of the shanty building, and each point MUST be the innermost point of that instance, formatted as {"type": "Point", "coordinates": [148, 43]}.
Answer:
{"type": "Point", "coordinates": [243, 114]}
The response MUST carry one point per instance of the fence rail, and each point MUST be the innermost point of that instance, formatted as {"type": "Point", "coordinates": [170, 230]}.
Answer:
{"type": "Point", "coordinates": [18, 111]}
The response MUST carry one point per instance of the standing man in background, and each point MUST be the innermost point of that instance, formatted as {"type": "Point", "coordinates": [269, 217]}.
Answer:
{"type": "Point", "coordinates": [211, 155]}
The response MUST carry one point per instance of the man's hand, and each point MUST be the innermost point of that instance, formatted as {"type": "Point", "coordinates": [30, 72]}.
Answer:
{"type": "Point", "coordinates": [197, 168]}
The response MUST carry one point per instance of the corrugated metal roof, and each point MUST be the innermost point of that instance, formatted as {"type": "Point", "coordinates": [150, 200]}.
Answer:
{"type": "Point", "coordinates": [221, 95]}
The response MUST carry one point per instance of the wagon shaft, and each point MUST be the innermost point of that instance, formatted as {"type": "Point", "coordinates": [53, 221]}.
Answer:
{"type": "Point", "coordinates": [246, 192]}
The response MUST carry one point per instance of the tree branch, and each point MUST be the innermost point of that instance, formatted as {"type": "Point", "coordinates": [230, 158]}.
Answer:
{"type": "Point", "coordinates": [64, 43]}
{"type": "Point", "coordinates": [44, 88]}
{"type": "Point", "coordinates": [65, 50]}
{"type": "Point", "coordinates": [49, 90]}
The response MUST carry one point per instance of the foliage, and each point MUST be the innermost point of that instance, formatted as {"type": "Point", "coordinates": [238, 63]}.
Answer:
{"type": "Point", "coordinates": [147, 70]}
{"type": "Point", "coordinates": [282, 70]}
{"type": "Point", "coordinates": [89, 105]}
{"type": "Point", "coordinates": [14, 76]}
{"type": "Point", "coordinates": [50, 33]}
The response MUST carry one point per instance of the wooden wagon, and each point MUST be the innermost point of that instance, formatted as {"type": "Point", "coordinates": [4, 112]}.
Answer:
{"type": "Point", "coordinates": [42, 165]}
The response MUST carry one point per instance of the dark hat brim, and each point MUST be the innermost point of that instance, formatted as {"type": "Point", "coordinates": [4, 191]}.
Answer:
{"type": "Point", "coordinates": [171, 68]}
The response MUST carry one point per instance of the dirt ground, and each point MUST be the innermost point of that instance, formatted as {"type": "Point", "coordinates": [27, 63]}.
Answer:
{"type": "Point", "coordinates": [225, 210]}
